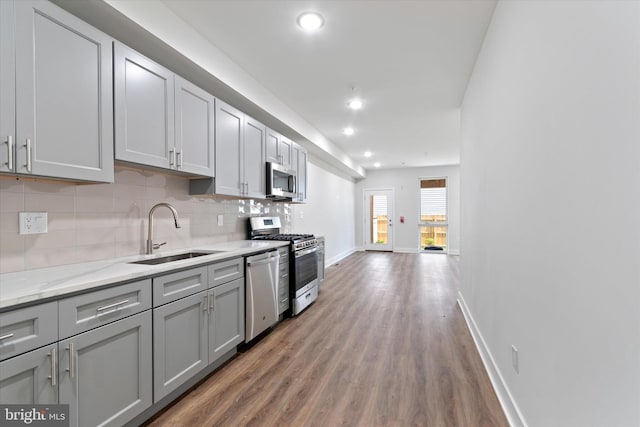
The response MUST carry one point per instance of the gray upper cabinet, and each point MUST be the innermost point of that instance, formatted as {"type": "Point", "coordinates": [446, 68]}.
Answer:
{"type": "Point", "coordinates": [271, 146]}
{"type": "Point", "coordinates": [30, 378]}
{"type": "Point", "coordinates": [7, 86]}
{"type": "Point", "coordinates": [194, 129]}
{"type": "Point", "coordinates": [253, 159]}
{"type": "Point", "coordinates": [299, 164]}
{"type": "Point", "coordinates": [56, 102]}
{"type": "Point", "coordinates": [144, 110]}
{"type": "Point", "coordinates": [105, 374]}
{"type": "Point", "coordinates": [278, 148]}
{"type": "Point", "coordinates": [229, 137]}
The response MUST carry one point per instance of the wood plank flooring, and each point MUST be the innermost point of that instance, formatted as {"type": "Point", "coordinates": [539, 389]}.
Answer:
{"type": "Point", "coordinates": [385, 344]}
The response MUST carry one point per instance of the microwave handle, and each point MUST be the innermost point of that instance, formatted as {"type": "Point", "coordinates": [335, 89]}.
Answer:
{"type": "Point", "coordinates": [292, 184]}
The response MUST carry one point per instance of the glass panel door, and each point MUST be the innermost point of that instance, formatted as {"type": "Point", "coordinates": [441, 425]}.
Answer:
{"type": "Point", "coordinates": [378, 211]}
{"type": "Point", "coordinates": [433, 215]}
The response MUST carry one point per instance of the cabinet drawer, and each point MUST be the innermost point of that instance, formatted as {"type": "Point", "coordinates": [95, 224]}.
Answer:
{"type": "Point", "coordinates": [28, 328]}
{"type": "Point", "coordinates": [225, 271]}
{"type": "Point", "coordinates": [174, 286]}
{"type": "Point", "coordinates": [87, 311]}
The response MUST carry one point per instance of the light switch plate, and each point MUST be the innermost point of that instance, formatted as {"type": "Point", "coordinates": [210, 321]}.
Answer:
{"type": "Point", "coordinates": [33, 222]}
{"type": "Point", "coordinates": [220, 220]}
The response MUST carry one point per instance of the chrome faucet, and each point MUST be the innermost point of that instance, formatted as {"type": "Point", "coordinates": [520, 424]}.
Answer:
{"type": "Point", "coordinates": [150, 245]}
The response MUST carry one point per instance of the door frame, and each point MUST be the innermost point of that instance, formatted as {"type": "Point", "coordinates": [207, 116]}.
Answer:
{"type": "Point", "coordinates": [420, 223]}
{"type": "Point", "coordinates": [365, 210]}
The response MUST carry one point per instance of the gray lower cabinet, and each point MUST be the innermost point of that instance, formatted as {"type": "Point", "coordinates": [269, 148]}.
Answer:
{"type": "Point", "coordinates": [180, 342]}
{"type": "Point", "coordinates": [226, 320]}
{"type": "Point", "coordinates": [30, 377]}
{"type": "Point", "coordinates": [105, 374]}
{"type": "Point", "coordinates": [60, 81]}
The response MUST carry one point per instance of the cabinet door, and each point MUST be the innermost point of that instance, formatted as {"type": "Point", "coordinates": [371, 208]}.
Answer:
{"type": "Point", "coordinates": [105, 374]}
{"type": "Point", "coordinates": [194, 129]}
{"type": "Point", "coordinates": [64, 97]}
{"type": "Point", "coordinates": [302, 175]}
{"type": "Point", "coordinates": [254, 167]}
{"type": "Point", "coordinates": [226, 324]}
{"type": "Point", "coordinates": [285, 152]}
{"type": "Point", "coordinates": [144, 109]}
{"type": "Point", "coordinates": [27, 379]}
{"type": "Point", "coordinates": [180, 342]}
{"type": "Point", "coordinates": [229, 137]}
{"type": "Point", "coordinates": [7, 86]}
{"type": "Point", "coordinates": [271, 146]}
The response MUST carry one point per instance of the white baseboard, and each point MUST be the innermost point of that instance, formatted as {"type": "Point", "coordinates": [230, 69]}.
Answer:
{"type": "Point", "coordinates": [454, 252]}
{"type": "Point", "coordinates": [511, 411]}
{"type": "Point", "coordinates": [339, 257]}
{"type": "Point", "coordinates": [406, 250]}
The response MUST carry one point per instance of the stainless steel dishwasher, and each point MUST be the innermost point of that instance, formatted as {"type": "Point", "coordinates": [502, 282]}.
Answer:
{"type": "Point", "coordinates": [261, 296]}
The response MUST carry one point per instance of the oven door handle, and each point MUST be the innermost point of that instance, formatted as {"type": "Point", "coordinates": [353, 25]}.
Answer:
{"type": "Point", "coordinates": [306, 252]}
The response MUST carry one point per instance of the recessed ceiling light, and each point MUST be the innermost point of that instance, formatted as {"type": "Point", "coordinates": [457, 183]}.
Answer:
{"type": "Point", "coordinates": [355, 104]}
{"type": "Point", "coordinates": [348, 131]}
{"type": "Point", "coordinates": [310, 21]}
{"type": "Point", "coordinates": [376, 164]}
{"type": "Point", "coordinates": [368, 154]}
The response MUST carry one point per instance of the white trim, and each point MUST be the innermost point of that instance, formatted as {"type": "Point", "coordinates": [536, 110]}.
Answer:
{"type": "Point", "coordinates": [454, 252]}
{"type": "Point", "coordinates": [365, 211]}
{"type": "Point", "coordinates": [406, 250]}
{"type": "Point", "coordinates": [339, 257]}
{"type": "Point", "coordinates": [511, 411]}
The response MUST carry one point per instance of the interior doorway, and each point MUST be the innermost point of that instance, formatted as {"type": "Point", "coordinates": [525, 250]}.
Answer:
{"type": "Point", "coordinates": [378, 220]}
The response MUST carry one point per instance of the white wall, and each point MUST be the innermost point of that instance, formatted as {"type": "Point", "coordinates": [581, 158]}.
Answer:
{"type": "Point", "coordinates": [405, 183]}
{"type": "Point", "coordinates": [329, 212]}
{"type": "Point", "coordinates": [550, 176]}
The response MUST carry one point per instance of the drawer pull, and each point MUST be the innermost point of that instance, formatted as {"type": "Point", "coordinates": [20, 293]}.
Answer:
{"type": "Point", "coordinates": [4, 337]}
{"type": "Point", "coordinates": [72, 364]}
{"type": "Point", "coordinates": [107, 307]}
{"type": "Point", "coordinates": [54, 370]}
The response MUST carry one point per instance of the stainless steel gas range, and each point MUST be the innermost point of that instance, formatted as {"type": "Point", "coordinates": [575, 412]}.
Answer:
{"type": "Point", "coordinates": [303, 264]}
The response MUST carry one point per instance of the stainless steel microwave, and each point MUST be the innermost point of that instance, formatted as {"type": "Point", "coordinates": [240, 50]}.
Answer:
{"type": "Point", "coordinates": [281, 182]}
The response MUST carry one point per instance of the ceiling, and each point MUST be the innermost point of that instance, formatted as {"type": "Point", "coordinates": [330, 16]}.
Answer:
{"type": "Point", "coordinates": [408, 60]}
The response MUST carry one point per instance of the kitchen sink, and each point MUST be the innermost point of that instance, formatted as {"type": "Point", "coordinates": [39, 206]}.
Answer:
{"type": "Point", "coordinates": [171, 258]}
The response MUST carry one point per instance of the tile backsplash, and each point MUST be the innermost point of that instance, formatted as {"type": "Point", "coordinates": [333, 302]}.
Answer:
{"type": "Point", "coordinates": [89, 222]}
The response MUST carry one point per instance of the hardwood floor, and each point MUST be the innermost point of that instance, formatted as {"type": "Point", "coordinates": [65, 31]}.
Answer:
{"type": "Point", "coordinates": [385, 344]}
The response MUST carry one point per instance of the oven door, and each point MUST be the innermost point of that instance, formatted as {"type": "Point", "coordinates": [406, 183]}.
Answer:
{"type": "Point", "coordinates": [305, 270]}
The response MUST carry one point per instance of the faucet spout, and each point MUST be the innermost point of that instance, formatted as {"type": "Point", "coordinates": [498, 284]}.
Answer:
{"type": "Point", "coordinates": [150, 244]}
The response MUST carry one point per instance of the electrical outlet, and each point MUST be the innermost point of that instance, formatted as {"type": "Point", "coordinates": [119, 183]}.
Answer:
{"type": "Point", "coordinates": [220, 220]}
{"type": "Point", "coordinates": [514, 359]}
{"type": "Point", "coordinates": [33, 222]}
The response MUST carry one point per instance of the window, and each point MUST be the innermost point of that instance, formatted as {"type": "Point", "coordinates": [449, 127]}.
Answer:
{"type": "Point", "coordinates": [433, 215]}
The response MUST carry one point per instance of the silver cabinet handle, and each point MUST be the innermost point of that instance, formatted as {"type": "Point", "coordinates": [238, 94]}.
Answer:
{"type": "Point", "coordinates": [206, 302]}
{"type": "Point", "coordinates": [178, 159]}
{"type": "Point", "coordinates": [72, 363]}
{"type": "Point", "coordinates": [212, 301]}
{"type": "Point", "coordinates": [54, 369]}
{"type": "Point", "coordinates": [28, 146]}
{"type": "Point", "coordinates": [107, 307]}
{"type": "Point", "coordinates": [172, 157]}
{"type": "Point", "coordinates": [4, 337]}
{"type": "Point", "coordinates": [10, 151]}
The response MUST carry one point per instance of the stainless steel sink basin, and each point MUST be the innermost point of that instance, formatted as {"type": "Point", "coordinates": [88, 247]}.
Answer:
{"type": "Point", "coordinates": [171, 258]}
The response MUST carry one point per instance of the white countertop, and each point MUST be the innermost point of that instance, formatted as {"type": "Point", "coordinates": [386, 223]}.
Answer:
{"type": "Point", "coordinates": [34, 285]}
